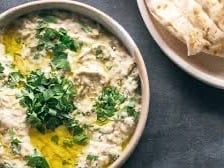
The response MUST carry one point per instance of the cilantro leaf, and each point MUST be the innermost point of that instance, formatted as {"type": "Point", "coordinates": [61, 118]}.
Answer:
{"type": "Point", "coordinates": [74, 127]}
{"type": "Point", "coordinates": [49, 18]}
{"type": "Point", "coordinates": [15, 143]}
{"type": "Point", "coordinates": [131, 109]}
{"type": "Point", "coordinates": [36, 161]}
{"type": "Point", "coordinates": [55, 139]}
{"type": "Point", "coordinates": [80, 139]}
{"type": "Point", "coordinates": [56, 42]}
{"type": "Point", "coordinates": [61, 64]}
{"type": "Point", "coordinates": [105, 106]}
{"type": "Point", "coordinates": [78, 132]}
{"type": "Point", "coordinates": [91, 157]}
{"type": "Point", "coordinates": [85, 27]}
{"type": "Point", "coordinates": [14, 79]}
{"type": "Point", "coordinates": [49, 100]}
{"type": "Point", "coordinates": [68, 143]}
{"type": "Point", "coordinates": [50, 35]}
{"type": "Point", "coordinates": [1, 68]}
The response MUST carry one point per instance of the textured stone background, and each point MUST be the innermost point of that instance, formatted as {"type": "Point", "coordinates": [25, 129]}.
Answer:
{"type": "Point", "coordinates": [185, 128]}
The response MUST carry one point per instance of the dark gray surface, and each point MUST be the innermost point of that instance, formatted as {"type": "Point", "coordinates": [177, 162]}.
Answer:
{"type": "Point", "coordinates": [185, 128]}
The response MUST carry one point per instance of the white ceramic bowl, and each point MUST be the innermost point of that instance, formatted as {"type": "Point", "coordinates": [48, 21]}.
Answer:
{"type": "Point", "coordinates": [206, 68]}
{"type": "Point", "coordinates": [114, 28]}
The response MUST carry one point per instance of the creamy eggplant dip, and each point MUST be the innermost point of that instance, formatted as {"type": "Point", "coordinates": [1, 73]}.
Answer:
{"type": "Point", "coordinates": [69, 93]}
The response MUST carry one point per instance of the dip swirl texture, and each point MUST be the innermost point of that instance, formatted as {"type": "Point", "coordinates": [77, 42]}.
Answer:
{"type": "Point", "coordinates": [68, 93]}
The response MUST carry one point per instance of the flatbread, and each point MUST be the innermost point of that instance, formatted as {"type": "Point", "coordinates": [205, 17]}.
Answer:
{"type": "Point", "coordinates": [215, 9]}
{"type": "Point", "coordinates": [198, 23]}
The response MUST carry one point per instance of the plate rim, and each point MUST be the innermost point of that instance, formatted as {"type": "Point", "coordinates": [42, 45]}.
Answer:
{"type": "Point", "coordinates": [181, 63]}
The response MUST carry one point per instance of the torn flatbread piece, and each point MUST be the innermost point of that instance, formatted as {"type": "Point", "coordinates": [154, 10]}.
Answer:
{"type": "Point", "coordinates": [198, 23]}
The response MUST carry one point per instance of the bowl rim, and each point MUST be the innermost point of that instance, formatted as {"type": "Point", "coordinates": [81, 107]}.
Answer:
{"type": "Point", "coordinates": [172, 55]}
{"type": "Point", "coordinates": [134, 52]}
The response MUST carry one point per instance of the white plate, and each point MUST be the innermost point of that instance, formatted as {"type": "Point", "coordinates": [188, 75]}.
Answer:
{"type": "Point", "coordinates": [209, 69]}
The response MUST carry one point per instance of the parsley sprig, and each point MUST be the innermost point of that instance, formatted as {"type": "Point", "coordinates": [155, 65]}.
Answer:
{"type": "Point", "coordinates": [49, 100]}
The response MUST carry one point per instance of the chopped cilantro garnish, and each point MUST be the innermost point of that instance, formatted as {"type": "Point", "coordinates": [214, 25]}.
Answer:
{"type": "Point", "coordinates": [69, 42]}
{"type": "Point", "coordinates": [1, 68]}
{"type": "Point", "coordinates": [68, 143]}
{"type": "Point", "coordinates": [78, 132]}
{"type": "Point", "coordinates": [49, 35]}
{"type": "Point", "coordinates": [15, 142]}
{"type": "Point", "coordinates": [49, 18]}
{"type": "Point", "coordinates": [91, 157]}
{"type": "Point", "coordinates": [56, 42]}
{"type": "Point", "coordinates": [55, 139]}
{"type": "Point", "coordinates": [105, 106]}
{"type": "Point", "coordinates": [14, 79]}
{"type": "Point", "coordinates": [61, 64]}
{"type": "Point", "coordinates": [131, 109]}
{"type": "Point", "coordinates": [36, 161]}
{"type": "Point", "coordinates": [99, 53]}
{"type": "Point", "coordinates": [1, 71]}
{"type": "Point", "coordinates": [80, 139]}
{"type": "Point", "coordinates": [85, 27]}
{"type": "Point", "coordinates": [49, 100]}
{"type": "Point", "coordinates": [74, 127]}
